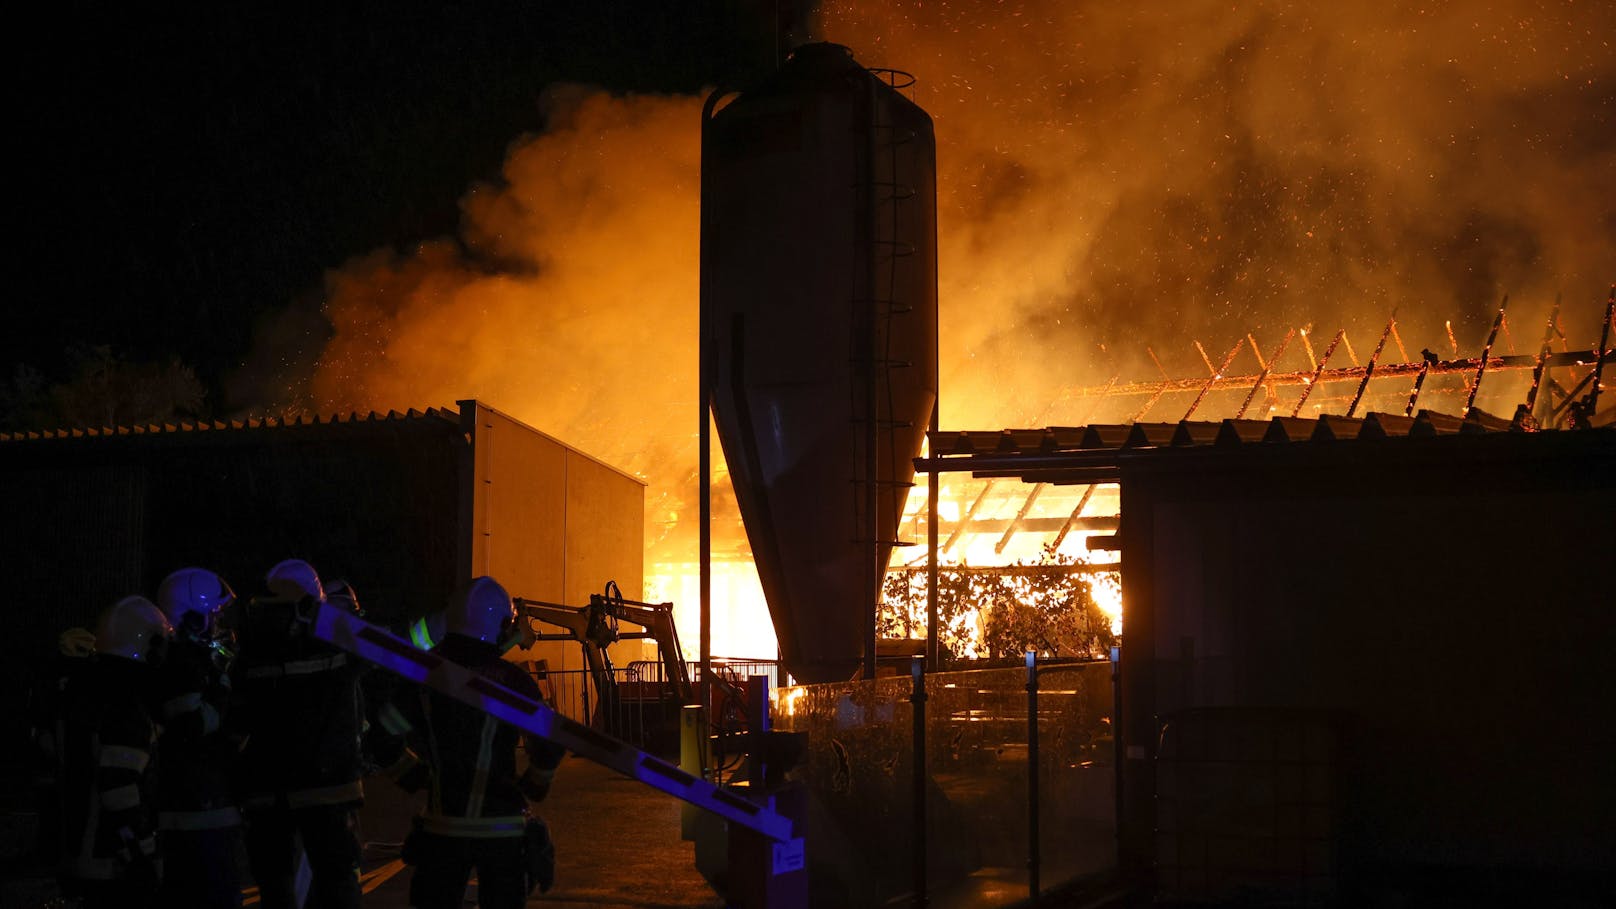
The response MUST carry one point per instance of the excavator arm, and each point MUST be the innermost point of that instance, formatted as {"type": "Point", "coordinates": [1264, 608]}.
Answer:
{"type": "Point", "coordinates": [597, 626]}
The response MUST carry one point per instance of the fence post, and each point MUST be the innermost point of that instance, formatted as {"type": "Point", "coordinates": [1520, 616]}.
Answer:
{"type": "Point", "coordinates": [1032, 774]}
{"type": "Point", "coordinates": [1116, 742]}
{"type": "Point", "coordinates": [918, 738]}
{"type": "Point", "coordinates": [691, 745]}
{"type": "Point", "coordinates": [757, 727]}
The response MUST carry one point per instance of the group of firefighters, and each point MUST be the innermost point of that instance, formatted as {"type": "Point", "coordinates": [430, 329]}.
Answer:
{"type": "Point", "coordinates": [181, 737]}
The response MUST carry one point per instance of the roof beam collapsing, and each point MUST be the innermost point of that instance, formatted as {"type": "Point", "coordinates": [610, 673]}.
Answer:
{"type": "Point", "coordinates": [1325, 375]}
{"type": "Point", "coordinates": [1549, 404]}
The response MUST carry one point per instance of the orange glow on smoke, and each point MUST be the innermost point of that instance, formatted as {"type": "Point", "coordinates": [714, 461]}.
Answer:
{"type": "Point", "coordinates": [1111, 176]}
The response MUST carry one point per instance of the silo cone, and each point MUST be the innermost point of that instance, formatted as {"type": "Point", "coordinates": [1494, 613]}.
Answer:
{"type": "Point", "coordinates": [819, 317]}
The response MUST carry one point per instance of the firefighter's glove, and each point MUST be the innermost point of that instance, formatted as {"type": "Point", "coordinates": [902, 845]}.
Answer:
{"type": "Point", "coordinates": [407, 771]}
{"type": "Point", "coordinates": [536, 782]}
{"type": "Point", "coordinates": [416, 778]}
{"type": "Point", "coordinates": [141, 865]}
{"type": "Point", "coordinates": [539, 853]}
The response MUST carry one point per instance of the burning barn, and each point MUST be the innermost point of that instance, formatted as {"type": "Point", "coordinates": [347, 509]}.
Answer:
{"type": "Point", "coordinates": [1333, 672]}
{"type": "Point", "coordinates": [1360, 656]}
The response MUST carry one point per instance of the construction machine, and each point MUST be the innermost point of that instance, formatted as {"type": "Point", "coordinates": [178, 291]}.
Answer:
{"type": "Point", "coordinates": [643, 696]}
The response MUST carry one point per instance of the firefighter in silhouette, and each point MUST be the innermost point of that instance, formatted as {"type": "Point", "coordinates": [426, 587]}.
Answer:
{"type": "Point", "coordinates": [477, 816]}
{"type": "Point", "coordinates": [300, 708]}
{"type": "Point", "coordinates": [108, 734]}
{"type": "Point", "coordinates": [198, 823]}
{"type": "Point", "coordinates": [74, 649]}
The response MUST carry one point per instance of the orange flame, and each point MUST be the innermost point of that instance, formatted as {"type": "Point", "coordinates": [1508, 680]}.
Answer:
{"type": "Point", "coordinates": [1106, 171]}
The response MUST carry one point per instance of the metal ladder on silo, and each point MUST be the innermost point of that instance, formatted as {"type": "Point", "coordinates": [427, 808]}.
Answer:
{"type": "Point", "coordinates": [887, 195]}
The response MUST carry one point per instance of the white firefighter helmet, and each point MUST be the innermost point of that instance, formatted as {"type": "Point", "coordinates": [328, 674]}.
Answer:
{"type": "Point", "coordinates": [133, 628]}
{"type": "Point", "coordinates": [341, 593]}
{"type": "Point", "coordinates": [294, 579]}
{"type": "Point", "coordinates": [481, 610]}
{"type": "Point", "coordinates": [194, 592]}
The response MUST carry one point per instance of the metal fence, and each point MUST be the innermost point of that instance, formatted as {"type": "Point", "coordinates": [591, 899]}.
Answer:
{"type": "Point", "coordinates": [1017, 793]}
{"type": "Point", "coordinates": [645, 711]}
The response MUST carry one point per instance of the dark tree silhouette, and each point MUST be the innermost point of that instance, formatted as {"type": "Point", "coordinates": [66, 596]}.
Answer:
{"type": "Point", "coordinates": [104, 389]}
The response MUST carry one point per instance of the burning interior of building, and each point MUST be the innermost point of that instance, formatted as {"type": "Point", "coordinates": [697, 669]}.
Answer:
{"type": "Point", "coordinates": [1304, 544]}
{"type": "Point", "coordinates": [1238, 754]}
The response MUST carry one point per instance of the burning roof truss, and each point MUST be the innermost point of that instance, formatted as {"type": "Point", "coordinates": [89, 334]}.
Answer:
{"type": "Point", "coordinates": [1067, 474]}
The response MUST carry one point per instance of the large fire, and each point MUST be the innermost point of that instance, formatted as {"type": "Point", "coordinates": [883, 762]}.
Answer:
{"type": "Point", "coordinates": [1115, 179]}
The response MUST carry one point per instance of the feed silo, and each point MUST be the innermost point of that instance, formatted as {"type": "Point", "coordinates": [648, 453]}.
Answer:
{"type": "Point", "coordinates": [819, 317]}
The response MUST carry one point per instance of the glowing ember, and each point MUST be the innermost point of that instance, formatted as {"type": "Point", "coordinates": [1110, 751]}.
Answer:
{"type": "Point", "coordinates": [785, 700]}
{"type": "Point", "coordinates": [1191, 170]}
{"type": "Point", "coordinates": [1107, 592]}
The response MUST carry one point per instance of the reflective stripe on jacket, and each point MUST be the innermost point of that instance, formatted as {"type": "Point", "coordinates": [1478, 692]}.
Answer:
{"type": "Point", "coordinates": [298, 703]}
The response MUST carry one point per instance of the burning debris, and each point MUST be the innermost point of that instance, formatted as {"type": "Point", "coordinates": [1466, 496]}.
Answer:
{"type": "Point", "coordinates": [1105, 174]}
{"type": "Point", "coordinates": [1549, 402]}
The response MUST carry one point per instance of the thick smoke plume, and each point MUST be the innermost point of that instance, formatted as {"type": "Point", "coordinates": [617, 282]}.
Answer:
{"type": "Point", "coordinates": [569, 300]}
{"type": "Point", "coordinates": [1112, 176]}
{"type": "Point", "coordinates": [1126, 175]}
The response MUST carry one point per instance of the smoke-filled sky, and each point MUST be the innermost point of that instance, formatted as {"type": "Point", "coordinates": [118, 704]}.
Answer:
{"type": "Point", "coordinates": [1111, 177]}
{"type": "Point", "coordinates": [1132, 174]}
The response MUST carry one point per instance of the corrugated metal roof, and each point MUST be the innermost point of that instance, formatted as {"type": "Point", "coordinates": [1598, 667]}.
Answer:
{"type": "Point", "coordinates": [255, 424]}
{"type": "Point", "coordinates": [1191, 433]}
{"type": "Point", "coordinates": [1093, 453]}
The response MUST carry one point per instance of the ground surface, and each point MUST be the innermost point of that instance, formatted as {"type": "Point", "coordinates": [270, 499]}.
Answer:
{"type": "Point", "coordinates": [617, 846]}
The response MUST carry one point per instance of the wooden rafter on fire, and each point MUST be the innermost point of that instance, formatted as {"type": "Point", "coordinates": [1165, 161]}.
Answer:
{"type": "Point", "coordinates": [1550, 403]}
{"type": "Point", "coordinates": [1321, 374]}
{"type": "Point", "coordinates": [1466, 365]}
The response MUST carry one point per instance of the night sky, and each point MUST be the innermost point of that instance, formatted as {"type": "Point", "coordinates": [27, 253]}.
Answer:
{"type": "Point", "coordinates": [1113, 175]}
{"type": "Point", "coordinates": [189, 171]}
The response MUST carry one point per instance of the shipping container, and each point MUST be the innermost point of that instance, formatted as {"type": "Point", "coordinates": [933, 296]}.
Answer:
{"type": "Point", "coordinates": [405, 507]}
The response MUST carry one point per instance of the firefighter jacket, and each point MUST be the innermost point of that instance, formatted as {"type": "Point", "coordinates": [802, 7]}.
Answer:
{"type": "Point", "coordinates": [108, 736]}
{"type": "Point", "coordinates": [477, 790]}
{"type": "Point", "coordinates": [299, 706]}
{"type": "Point", "coordinates": [196, 755]}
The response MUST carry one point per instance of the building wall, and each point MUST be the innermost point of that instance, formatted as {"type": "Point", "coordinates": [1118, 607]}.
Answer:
{"type": "Point", "coordinates": [554, 524]}
{"type": "Point", "coordinates": [99, 518]}
{"type": "Point", "coordinates": [406, 508]}
{"type": "Point", "coordinates": [1451, 606]}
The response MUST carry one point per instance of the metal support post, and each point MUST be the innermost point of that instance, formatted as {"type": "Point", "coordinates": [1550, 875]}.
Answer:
{"type": "Point", "coordinates": [1032, 774]}
{"type": "Point", "coordinates": [918, 698]}
{"type": "Point", "coordinates": [932, 661]}
{"type": "Point", "coordinates": [757, 733]}
{"type": "Point", "coordinates": [1116, 736]}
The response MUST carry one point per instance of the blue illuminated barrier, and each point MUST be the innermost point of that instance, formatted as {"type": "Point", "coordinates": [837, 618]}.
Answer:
{"type": "Point", "coordinates": [377, 645]}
